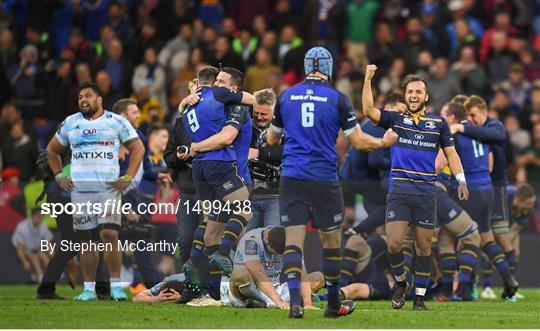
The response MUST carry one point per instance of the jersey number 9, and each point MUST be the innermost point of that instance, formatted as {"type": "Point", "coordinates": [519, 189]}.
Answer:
{"type": "Point", "coordinates": [308, 114]}
{"type": "Point", "coordinates": [192, 120]}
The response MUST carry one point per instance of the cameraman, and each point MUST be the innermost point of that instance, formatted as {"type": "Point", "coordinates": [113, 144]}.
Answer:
{"type": "Point", "coordinates": [188, 220]}
{"type": "Point", "coordinates": [264, 164]}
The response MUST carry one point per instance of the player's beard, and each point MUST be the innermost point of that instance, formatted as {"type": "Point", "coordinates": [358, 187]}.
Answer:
{"type": "Point", "coordinates": [90, 111]}
{"type": "Point", "coordinates": [421, 105]}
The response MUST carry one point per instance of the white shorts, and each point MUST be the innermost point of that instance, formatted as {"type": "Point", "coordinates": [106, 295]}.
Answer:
{"type": "Point", "coordinates": [102, 209]}
{"type": "Point", "coordinates": [227, 297]}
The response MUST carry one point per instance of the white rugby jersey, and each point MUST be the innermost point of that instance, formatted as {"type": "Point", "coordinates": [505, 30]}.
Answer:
{"type": "Point", "coordinates": [251, 247]}
{"type": "Point", "coordinates": [94, 148]}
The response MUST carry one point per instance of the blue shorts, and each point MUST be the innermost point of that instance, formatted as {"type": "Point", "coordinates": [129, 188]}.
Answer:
{"type": "Point", "coordinates": [500, 204]}
{"type": "Point", "coordinates": [479, 207]}
{"type": "Point", "coordinates": [447, 208]}
{"type": "Point", "coordinates": [300, 198]}
{"type": "Point", "coordinates": [214, 180]}
{"type": "Point", "coordinates": [421, 210]}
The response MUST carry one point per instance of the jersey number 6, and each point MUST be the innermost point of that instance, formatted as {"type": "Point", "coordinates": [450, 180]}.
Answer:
{"type": "Point", "coordinates": [192, 120]}
{"type": "Point", "coordinates": [308, 114]}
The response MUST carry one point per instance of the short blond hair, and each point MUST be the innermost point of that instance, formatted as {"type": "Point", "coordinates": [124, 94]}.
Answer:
{"type": "Point", "coordinates": [265, 97]}
{"type": "Point", "coordinates": [475, 101]}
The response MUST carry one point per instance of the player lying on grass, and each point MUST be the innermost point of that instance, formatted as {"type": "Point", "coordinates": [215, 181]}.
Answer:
{"type": "Point", "coordinates": [255, 280]}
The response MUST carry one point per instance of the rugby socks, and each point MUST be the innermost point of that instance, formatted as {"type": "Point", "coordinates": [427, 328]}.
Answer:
{"type": "Point", "coordinates": [498, 259]}
{"type": "Point", "coordinates": [115, 282]}
{"type": "Point", "coordinates": [397, 265]}
{"type": "Point", "coordinates": [90, 286]}
{"type": "Point", "coordinates": [292, 269]}
{"type": "Point", "coordinates": [409, 262]}
{"type": "Point", "coordinates": [197, 246]}
{"type": "Point", "coordinates": [234, 226]}
{"type": "Point", "coordinates": [487, 271]}
{"type": "Point", "coordinates": [448, 265]}
{"type": "Point", "coordinates": [214, 279]}
{"type": "Point", "coordinates": [422, 273]}
{"type": "Point", "coordinates": [511, 259]}
{"type": "Point", "coordinates": [331, 270]}
{"type": "Point", "coordinates": [348, 266]}
{"type": "Point", "coordinates": [467, 262]}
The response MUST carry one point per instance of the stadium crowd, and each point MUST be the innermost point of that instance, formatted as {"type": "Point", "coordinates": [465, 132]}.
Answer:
{"type": "Point", "coordinates": [145, 54]}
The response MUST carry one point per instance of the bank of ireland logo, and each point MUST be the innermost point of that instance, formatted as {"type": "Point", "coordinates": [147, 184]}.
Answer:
{"type": "Point", "coordinates": [391, 214]}
{"type": "Point", "coordinates": [430, 125]}
{"type": "Point", "coordinates": [408, 120]}
{"type": "Point", "coordinates": [309, 91]}
{"type": "Point", "coordinates": [419, 136]}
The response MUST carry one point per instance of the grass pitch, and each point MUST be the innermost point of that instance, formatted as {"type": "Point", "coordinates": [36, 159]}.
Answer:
{"type": "Point", "coordinates": [19, 309]}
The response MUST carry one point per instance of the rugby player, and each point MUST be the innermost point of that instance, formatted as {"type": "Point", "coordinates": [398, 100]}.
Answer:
{"type": "Point", "coordinates": [411, 197]}
{"type": "Point", "coordinates": [489, 135]}
{"type": "Point", "coordinates": [521, 200]}
{"type": "Point", "coordinates": [455, 224]}
{"type": "Point", "coordinates": [95, 136]}
{"type": "Point", "coordinates": [310, 116]}
{"type": "Point", "coordinates": [475, 156]}
{"type": "Point", "coordinates": [215, 174]}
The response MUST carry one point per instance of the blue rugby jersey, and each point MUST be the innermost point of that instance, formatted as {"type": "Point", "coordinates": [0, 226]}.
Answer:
{"type": "Point", "coordinates": [311, 114]}
{"type": "Point", "coordinates": [208, 117]}
{"type": "Point", "coordinates": [239, 117]}
{"type": "Point", "coordinates": [94, 148]}
{"type": "Point", "coordinates": [492, 132]}
{"type": "Point", "coordinates": [413, 156]}
{"type": "Point", "coordinates": [474, 157]}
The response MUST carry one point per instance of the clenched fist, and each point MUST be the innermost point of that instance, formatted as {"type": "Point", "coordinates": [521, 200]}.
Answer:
{"type": "Point", "coordinates": [389, 138]}
{"type": "Point", "coordinates": [370, 71]}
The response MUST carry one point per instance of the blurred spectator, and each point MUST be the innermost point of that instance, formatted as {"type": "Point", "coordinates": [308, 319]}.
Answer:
{"type": "Point", "coordinates": [118, 67]}
{"type": "Point", "coordinates": [78, 47]}
{"type": "Point", "coordinates": [259, 26]}
{"type": "Point", "coordinates": [392, 80]}
{"type": "Point", "coordinates": [174, 55]}
{"type": "Point", "coordinates": [228, 27]}
{"type": "Point", "coordinates": [464, 37]}
{"type": "Point", "coordinates": [150, 73]}
{"type": "Point", "coordinates": [501, 105]}
{"type": "Point", "coordinates": [245, 45]}
{"type": "Point", "coordinates": [243, 12]}
{"type": "Point", "coordinates": [503, 24]}
{"type": "Point", "coordinates": [269, 41]}
{"type": "Point", "coordinates": [27, 240]}
{"type": "Point", "coordinates": [210, 12]}
{"type": "Point", "coordinates": [150, 108]}
{"type": "Point", "coordinates": [443, 85]}
{"type": "Point", "coordinates": [118, 20]}
{"type": "Point", "coordinates": [471, 75]}
{"type": "Point", "coordinates": [256, 77]}
{"type": "Point", "coordinates": [223, 56]}
{"type": "Point", "coordinates": [519, 138]}
{"type": "Point", "coordinates": [24, 80]}
{"type": "Point", "coordinates": [19, 151]}
{"type": "Point", "coordinates": [11, 200]}
{"type": "Point", "coordinates": [531, 61]}
{"type": "Point", "coordinates": [359, 32]}
{"type": "Point", "coordinates": [383, 49]}
{"type": "Point", "coordinates": [108, 95]}
{"type": "Point", "coordinates": [424, 64]}
{"type": "Point", "coordinates": [40, 39]}
{"type": "Point", "coordinates": [10, 115]}
{"type": "Point", "coordinates": [283, 16]}
{"type": "Point", "coordinates": [8, 57]}
{"type": "Point", "coordinates": [458, 9]}
{"type": "Point", "coordinates": [414, 43]}
{"type": "Point", "coordinates": [343, 79]}
{"type": "Point", "coordinates": [433, 27]}
{"type": "Point", "coordinates": [288, 40]}
{"type": "Point", "coordinates": [531, 115]}
{"type": "Point", "coordinates": [146, 38]}
{"type": "Point", "coordinates": [43, 130]}
{"type": "Point", "coordinates": [95, 16]}
{"type": "Point", "coordinates": [529, 162]}
{"type": "Point", "coordinates": [324, 23]}
{"type": "Point", "coordinates": [499, 58]}
{"type": "Point", "coordinates": [517, 85]}
{"type": "Point", "coordinates": [190, 70]}
{"type": "Point", "coordinates": [58, 82]}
